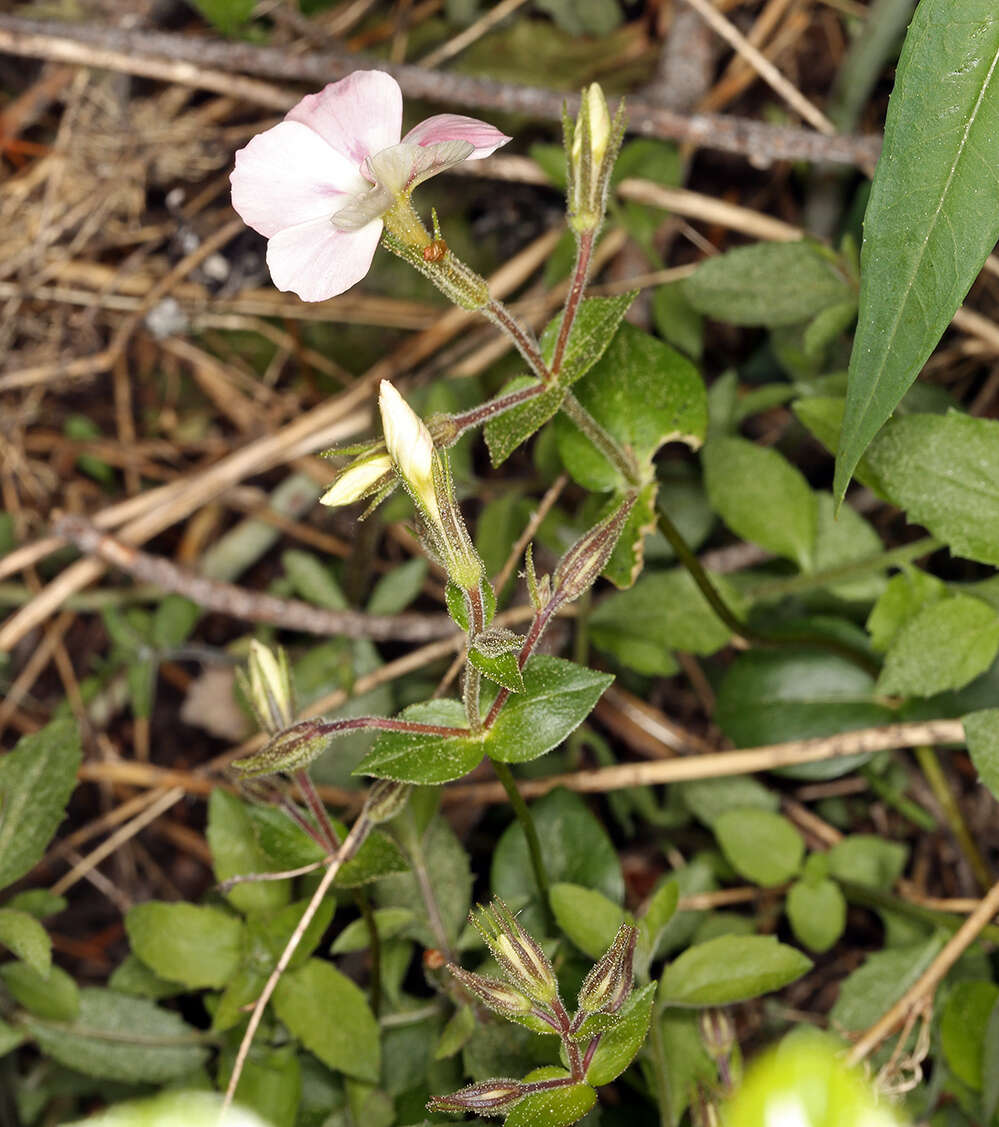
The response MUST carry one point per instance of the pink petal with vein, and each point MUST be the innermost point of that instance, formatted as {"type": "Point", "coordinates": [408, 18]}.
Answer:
{"type": "Point", "coordinates": [359, 115]}
{"type": "Point", "coordinates": [316, 261]}
{"type": "Point", "coordinates": [456, 127]}
{"type": "Point", "coordinates": [289, 175]}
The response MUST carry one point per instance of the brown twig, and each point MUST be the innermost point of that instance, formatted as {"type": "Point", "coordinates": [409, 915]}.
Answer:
{"type": "Point", "coordinates": [190, 58]}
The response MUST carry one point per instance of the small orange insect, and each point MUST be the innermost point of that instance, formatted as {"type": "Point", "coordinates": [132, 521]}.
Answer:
{"type": "Point", "coordinates": [435, 251]}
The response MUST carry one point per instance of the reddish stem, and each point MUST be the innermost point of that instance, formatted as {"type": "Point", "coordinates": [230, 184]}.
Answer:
{"type": "Point", "coordinates": [579, 276]}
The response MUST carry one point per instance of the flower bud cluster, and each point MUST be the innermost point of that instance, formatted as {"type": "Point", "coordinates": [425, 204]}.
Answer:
{"type": "Point", "coordinates": [517, 953]}
{"type": "Point", "coordinates": [592, 144]}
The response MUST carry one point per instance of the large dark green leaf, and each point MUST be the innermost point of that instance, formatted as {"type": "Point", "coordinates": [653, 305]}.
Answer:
{"type": "Point", "coordinates": [729, 969]}
{"type": "Point", "coordinates": [188, 943]}
{"type": "Point", "coordinates": [417, 758]}
{"type": "Point", "coordinates": [933, 214]}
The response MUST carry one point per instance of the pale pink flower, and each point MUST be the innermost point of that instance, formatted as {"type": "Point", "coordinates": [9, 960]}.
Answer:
{"type": "Point", "coordinates": [318, 183]}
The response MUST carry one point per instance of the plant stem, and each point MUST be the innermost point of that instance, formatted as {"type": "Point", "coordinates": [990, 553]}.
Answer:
{"type": "Point", "coordinates": [905, 806]}
{"type": "Point", "coordinates": [933, 772]}
{"type": "Point", "coordinates": [493, 407]}
{"type": "Point", "coordinates": [710, 592]}
{"type": "Point", "coordinates": [660, 1068]}
{"type": "Point", "coordinates": [363, 902]}
{"type": "Point", "coordinates": [602, 440]}
{"type": "Point", "coordinates": [580, 273]}
{"type": "Point", "coordinates": [876, 898]}
{"type": "Point", "coordinates": [523, 339]}
{"type": "Point", "coordinates": [520, 808]}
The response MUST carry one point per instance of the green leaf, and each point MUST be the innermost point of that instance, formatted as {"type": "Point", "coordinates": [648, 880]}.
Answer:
{"type": "Point", "coordinates": [876, 985]}
{"type": "Point", "coordinates": [619, 1045]}
{"type": "Point", "coordinates": [36, 780]}
{"type": "Point", "coordinates": [504, 433]}
{"type": "Point", "coordinates": [761, 497]}
{"type": "Point", "coordinates": [115, 1037]}
{"type": "Point", "coordinates": [132, 976]}
{"type": "Point", "coordinates": [768, 284]}
{"type": "Point", "coordinates": [37, 902]}
{"type": "Point", "coordinates": [982, 732]}
{"type": "Point", "coordinates": [198, 946]}
{"type": "Point", "coordinates": [690, 1068]}
{"type": "Point", "coordinates": [823, 416]}
{"type": "Point", "coordinates": [458, 1030]}
{"type": "Point", "coordinates": [963, 1025]}
{"type": "Point", "coordinates": [270, 1083]}
{"type": "Point", "coordinates": [771, 697]}
{"type": "Point", "coordinates": [557, 1107]}
{"type": "Point", "coordinates": [236, 852]}
{"type": "Point", "coordinates": [676, 320]}
{"type": "Point", "coordinates": [628, 557]}
{"type": "Point", "coordinates": [312, 579]}
{"type": "Point", "coordinates": [868, 860]}
{"type": "Point", "coordinates": [53, 996]}
{"type": "Point", "coordinates": [330, 1016]}
{"type": "Point", "coordinates": [708, 799]}
{"type": "Point", "coordinates": [730, 969]}
{"type": "Point", "coordinates": [664, 611]}
{"type": "Point", "coordinates": [817, 912]}
{"type": "Point", "coordinates": [173, 621]}
{"type": "Point", "coordinates": [501, 668]}
{"type": "Point", "coordinates": [597, 320]}
{"type": "Point", "coordinates": [583, 17]}
{"type": "Point", "coordinates": [990, 1079]}
{"type": "Point", "coordinates": [945, 646]}
{"type": "Point", "coordinates": [558, 696]}
{"type": "Point", "coordinates": [378, 857]}
{"type": "Point", "coordinates": [268, 936]}
{"type": "Point", "coordinates": [902, 599]}
{"type": "Point", "coordinates": [389, 922]}
{"type": "Point", "coordinates": [843, 538]}
{"type": "Point", "coordinates": [760, 845]}
{"type": "Point", "coordinates": [588, 918]}
{"type": "Point", "coordinates": [10, 1038]}
{"type": "Point", "coordinates": [942, 470]}
{"type": "Point", "coordinates": [26, 938]}
{"type": "Point", "coordinates": [227, 15]}
{"type": "Point", "coordinates": [655, 918]}
{"type": "Point", "coordinates": [933, 213]}
{"type": "Point", "coordinates": [645, 394]}
{"type": "Point", "coordinates": [417, 758]}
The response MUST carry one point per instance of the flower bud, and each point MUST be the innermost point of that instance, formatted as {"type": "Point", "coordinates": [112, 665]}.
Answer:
{"type": "Point", "coordinates": [491, 992]}
{"type": "Point", "coordinates": [268, 688]}
{"type": "Point", "coordinates": [717, 1033]}
{"type": "Point", "coordinates": [289, 750]}
{"type": "Point", "coordinates": [411, 448]}
{"type": "Point", "coordinates": [359, 479]}
{"type": "Point", "coordinates": [595, 140]}
{"type": "Point", "coordinates": [385, 799]}
{"type": "Point", "coordinates": [516, 952]}
{"type": "Point", "coordinates": [592, 109]}
{"type": "Point", "coordinates": [608, 984]}
{"type": "Point", "coordinates": [490, 1097]}
{"type": "Point", "coordinates": [579, 568]}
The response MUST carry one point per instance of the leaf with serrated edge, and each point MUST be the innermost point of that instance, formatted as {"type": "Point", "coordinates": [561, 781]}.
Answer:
{"type": "Point", "coordinates": [597, 320]}
{"type": "Point", "coordinates": [933, 214]}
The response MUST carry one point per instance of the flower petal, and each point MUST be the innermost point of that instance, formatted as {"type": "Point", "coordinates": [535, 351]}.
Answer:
{"type": "Point", "coordinates": [359, 115]}
{"type": "Point", "coordinates": [484, 138]}
{"type": "Point", "coordinates": [316, 261]}
{"type": "Point", "coordinates": [362, 209]}
{"type": "Point", "coordinates": [288, 175]}
{"type": "Point", "coordinates": [403, 166]}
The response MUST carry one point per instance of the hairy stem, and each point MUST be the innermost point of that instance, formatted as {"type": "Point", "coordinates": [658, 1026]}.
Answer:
{"type": "Point", "coordinates": [601, 439]}
{"type": "Point", "coordinates": [524, 816]}
{"type": "Point", "coordinates": [580, 273]}
{"type": "Point", "coordinates": [523, 339]}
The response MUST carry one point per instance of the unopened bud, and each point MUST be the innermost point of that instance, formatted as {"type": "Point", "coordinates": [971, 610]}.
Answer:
{"type": "Point", "coordinates": [595, 141]}
{"type": "Point", "coordinates": [267, 687]}
{"type": "Point", "coordinates": [516, 952]}
{"type": "Point", "coordinates": [411, 448]}
{"type": "Point", "coordinates": [579, 568]}
{"type": "Point", "coordinates": [490, 1097]}
{"type": "Point", "coordinates": [359, 479]}
{"type": "Point", "coordinates": [538, 590]}
{"type": "Point", "coordinates": [289, 750]}
{"type": "Point", "coordinates": [593, 108]}
{"type": "Point", "coordinates": [385, 799]}
{"type": "Point", "coordinates": [491, 992]}
{"type": "Point", "coordinates": [717, 1033]}
{"type": "Point", "coordinates": [608, 984]}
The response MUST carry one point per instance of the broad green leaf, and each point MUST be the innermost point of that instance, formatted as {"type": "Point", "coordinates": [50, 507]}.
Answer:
{"type": "Point", "coordinates": [173, 621]}
{"type": "Point", "coordinates": [942, 470]}
{"type": "Point", "coordinates": [990, 1079]}
{"type": "Point", "coordinates": [26, 938]}
{"type": "Point", "coordinates": [269, 935]}
{"type": "Point", "coordinates": [558, 696]}
{"type": "Point", "coordinates": [115, 1037]}
{"type": "Point", "coordinates": [676, 320]}
{"type": "Point", "coordinates": [270, 1083]}
{"type": "Point", "coordinates": [36, 780]}
{"type": "Point", "coordinates": [708, 799]}
{"type": "Point", "coordinates": [575, 847]}
{"type": "Point", "coordinates": [330, 1016]}
{"type": "Point", "coordinates": [227, 15]}
{"type": "Point", "coordinates": [198, 946]}
{"type": "Point", "coordinates": [933, 213]}
{"type": "Point", "coordinates": [628, 557]}
{"type": "Point", "coordinates": [504, 433]}
{"type": "Point", "coordinates": [418, 758]}
{"type": "Point", "coordinates": [844, 538]}
{"type": "Point", "coordinates": [53, 996]}
{"type": "Point", "coordinates": [768, 284]}
{"type": "Point", "coordinates": [456, 1033]}
{"type": "Point", "coordinates": [690, 1068]}
{"type": "Point", "coordinates": [132, 976]}
{"type": "Point", "coordinates": [37, 902]}
{"type": "Point", "coordinates": [389, 922]}
{"type": "Point", "coordinates": [659, 910]}
{"type": "Point", "coordinates": [730, 969]}
{"type": "Point", "coordinates": [236, 852]}
{"type": "Point", "coordinates": [240, 994]}
{"type": "Point", "coordinates": [904, 596]}
{"type": "Point", "coordinates": [378, 857]}
{"type": "Point", "coordinates": [557, 1107]}
{"type": "Point", "coordinates": [868, 860]}
{"type": "Point", "coordinates": [698, 875]}
{"type": "Point", "coordinates": [10, 1038]}
{"type": "Point", "coordinates": [963, 1026]}
{"type": "Point", "coordinates": [823, 416]}
{"type": "Point", "coordinates": [502, 668]}
{"type": "Point", "coordinates": [619, 1044]}
{"type": "Point", "coordinates": [312, 579]}
{"type": "Point", "coordinates": [982, 732]}
{"type": "Point", "coordinates": [588, 918]}
{"type": "Point", "coordinates": [945, 646]}
{"type": "Point", "coordinates": [597, 320]}
{"type": "Point", "coordinates": [875, 986]}
{"type": "Point", "coordinates": [762, 846]}
{"type": "Point", "coordinates": [664, 611]}
{"type": "Point", "coordinates": [645, 394]}
{"type": "Point", "coordinates": [773, 696]}
{"type": "Point", "coordinates": [761, 497]}
{"type": "Point", "coordinates": [395, 590]}
{"type": "Point", "coordinates": [817, 912]}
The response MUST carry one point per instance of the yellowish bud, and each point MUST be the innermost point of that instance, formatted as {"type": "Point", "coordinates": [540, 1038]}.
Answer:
{"type": "Point", "coordinates": [411, 448]}
{"type": "Point", "coordinates": [357, 480]}
{"type": "Point", "coordinates": [268, 688]}
{"type": "Point", "coordinates": [594, 104]}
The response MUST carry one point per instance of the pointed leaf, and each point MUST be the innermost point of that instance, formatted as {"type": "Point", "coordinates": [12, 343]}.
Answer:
{"type": "Point", "coordinates": [198, 946]}
{"type": "Point", "coordinates": [418, 758]}
{"type": "Point", "coordinates": [730, 969]}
